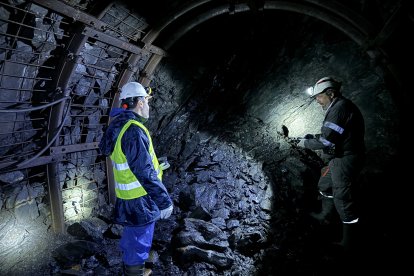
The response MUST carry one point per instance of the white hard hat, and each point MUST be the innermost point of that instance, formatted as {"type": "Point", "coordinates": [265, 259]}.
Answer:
{"type": "Point", "coordinates": [323, 84]}
{"type": "Point", "coordinates": [132, 89]}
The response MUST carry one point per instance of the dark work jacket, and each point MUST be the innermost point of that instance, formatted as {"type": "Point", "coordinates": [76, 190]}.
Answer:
{"type": "Point", "coordinates": [342, 131]}
{"type": "Point", "coordinates": [135, 146]}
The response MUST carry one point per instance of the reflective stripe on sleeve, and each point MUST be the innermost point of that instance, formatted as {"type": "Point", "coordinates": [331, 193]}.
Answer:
{"type": "Point", "coordinates": [325, 142]}
{"type": "Point", "coordinates": [334, 127]}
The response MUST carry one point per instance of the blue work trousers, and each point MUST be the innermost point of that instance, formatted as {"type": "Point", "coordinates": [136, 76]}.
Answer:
{"type": "Point", "coordinates": [136, 243]}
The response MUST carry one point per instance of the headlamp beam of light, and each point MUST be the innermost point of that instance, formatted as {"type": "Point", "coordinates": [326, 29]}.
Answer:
{"type": "Point", "coordinates": [309, 91]}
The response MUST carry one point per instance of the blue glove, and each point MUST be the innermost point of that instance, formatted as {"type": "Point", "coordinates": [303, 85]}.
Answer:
{"type": "Point", "coordinates": [166, 213]}
{"type": "Point", "coordinates": [301, 143]}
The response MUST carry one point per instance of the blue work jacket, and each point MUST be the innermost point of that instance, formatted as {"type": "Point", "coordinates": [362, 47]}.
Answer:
{"type": "Point", "coordinates": [135, 146]}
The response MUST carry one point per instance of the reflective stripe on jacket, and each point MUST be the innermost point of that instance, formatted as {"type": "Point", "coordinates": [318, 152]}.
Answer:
{"type": "Point", "coordinates": [135, 145]}
{"type": "Point", "coordinates": [343, 130]}
{"type": "Point", "coordinates": [127, 186]}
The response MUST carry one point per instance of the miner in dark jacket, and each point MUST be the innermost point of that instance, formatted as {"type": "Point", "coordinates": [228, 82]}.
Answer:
{"type": "Point", "coordinates": [141, 197]}
{"type": "Point", "coordinates": [341, 138]}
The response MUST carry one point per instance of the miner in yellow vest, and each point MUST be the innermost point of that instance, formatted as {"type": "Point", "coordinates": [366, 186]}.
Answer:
{"type": "Point", "coordinates": [141, 197]}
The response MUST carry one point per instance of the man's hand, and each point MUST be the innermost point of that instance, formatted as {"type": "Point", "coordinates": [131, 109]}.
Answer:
{"type": "Point", "coordinates": [301, 143]}
{"type": "Point", "coordinates": [166, 213]}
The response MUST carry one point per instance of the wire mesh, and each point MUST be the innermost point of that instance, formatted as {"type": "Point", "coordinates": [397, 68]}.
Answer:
{"type": "Point", "coordinates": [55, 95]}
{"type": "Point", "coordinates": [29, 37]}
{"type": "Point", "coordinates": [81, 186]}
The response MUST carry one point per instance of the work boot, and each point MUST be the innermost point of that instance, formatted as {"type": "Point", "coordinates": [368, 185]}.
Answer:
{"type": "Point", "coordinates": [136, 270]}
{"type": "Point", "coordinates": [351, 248]}
{"type": "Point", "coordinates": [350, 237]}
{"type": "Point", "coordinates": [327, 213]}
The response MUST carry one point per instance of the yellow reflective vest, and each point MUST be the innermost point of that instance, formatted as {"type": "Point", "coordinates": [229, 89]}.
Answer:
{"type": "Point", "coordinates": [127, 186]}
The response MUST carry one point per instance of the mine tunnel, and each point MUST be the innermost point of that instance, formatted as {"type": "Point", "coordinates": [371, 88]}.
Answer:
{"type": "Point", "coordinates": [228, 80]}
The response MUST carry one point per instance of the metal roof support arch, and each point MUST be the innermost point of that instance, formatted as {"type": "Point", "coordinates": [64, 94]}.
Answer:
{"type": "Point", "coordinates": [58, 114]}
{"type": "Point", "coordinates": [333, 13]}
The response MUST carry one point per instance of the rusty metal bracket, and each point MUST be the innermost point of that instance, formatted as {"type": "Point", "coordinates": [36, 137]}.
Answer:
{"type": "Point", "coordinates": [39, 161]}
{"type": "Point", "coordinates": [73, 148]}
{"type": "Point", "coordinates": [95, 27]}
{"type": "Point", "coordinates": [111, 40]}
{"type": "Point", "coordinates": [133, 68]}
{"type": "Point", "coordinates": [155, 50]}
{"type": "Point", "coordinates": [57, 154]}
